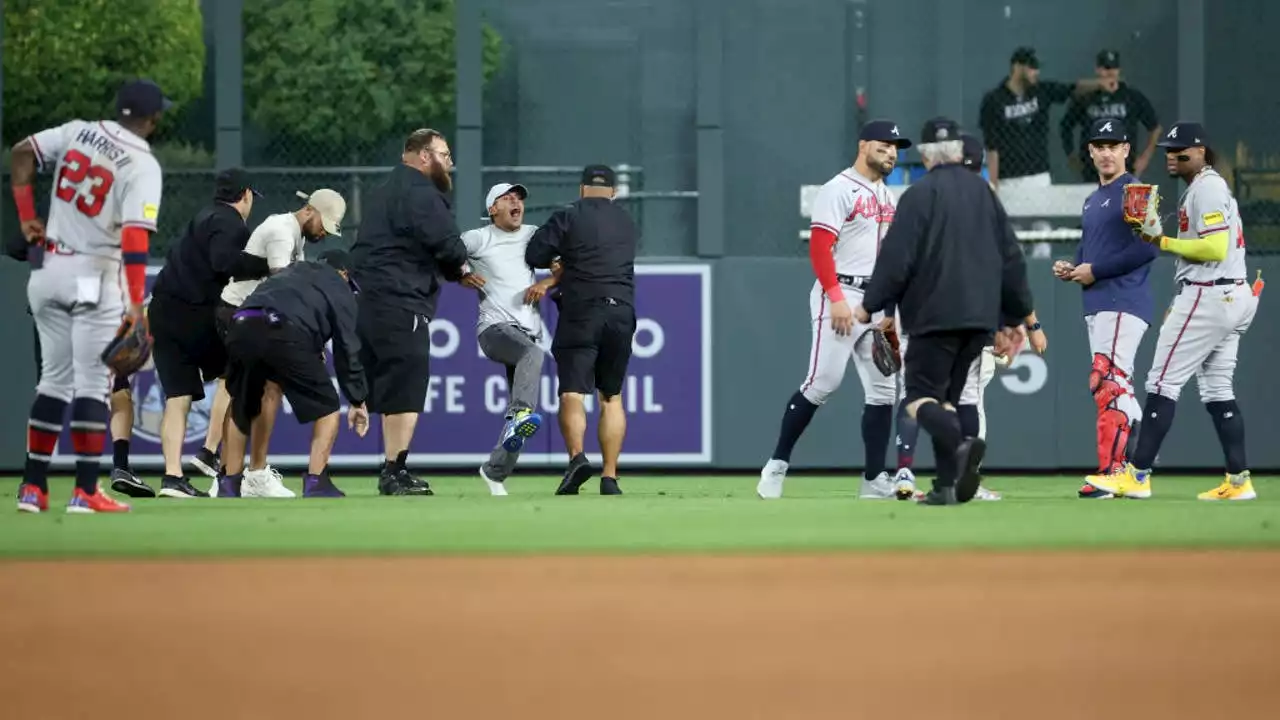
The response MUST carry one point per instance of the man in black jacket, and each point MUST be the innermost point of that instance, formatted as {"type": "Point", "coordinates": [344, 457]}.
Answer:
{"type": "Point", "coordinates": [952, 265]}
{"type": "Point", "coordinates": [279, 334]}
{"type": "Point", "coordinates": [594, 241]}
{"type": "Point", "coordinates": [408, 239]}
{"type": "Point", "coordinates": [187, 347]}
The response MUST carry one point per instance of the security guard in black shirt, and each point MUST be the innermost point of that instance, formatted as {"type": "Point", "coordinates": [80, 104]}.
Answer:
{"type": "Point", "coordinates": [952, 265]}
{"type": "Point", "coordinates": [279, 334]}
{"type": "Point", "coordinates": [594, 241]}
{"type": "Point", "coordinates": [408, 239]}
{"type": "Point", "coordinates": [187, 349]}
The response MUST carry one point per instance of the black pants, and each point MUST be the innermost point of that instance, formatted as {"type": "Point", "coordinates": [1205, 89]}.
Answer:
{"type": "Point", "coordinates": [937, 364]}
{"type": "Point", "coordinates": [592, 346]}
{"type": "Point", "coordinates": [262, 351]}
{"type": "Point", "coordinates": [395, 349]}
{"type": "Point", "coordinates": [186, 346]}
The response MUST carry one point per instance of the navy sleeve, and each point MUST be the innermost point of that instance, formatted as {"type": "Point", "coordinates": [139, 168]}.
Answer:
{"type": "Point", "coordinates": [1133, 255]}
{"type": "Point", "coordinates": [548, 241]}
{"type": "Point", "coordinates": [898, 252]}
{"type": "Point", "coordinates": [346, 345]}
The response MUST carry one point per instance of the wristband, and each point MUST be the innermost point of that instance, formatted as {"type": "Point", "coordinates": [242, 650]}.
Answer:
{"type": "Point", "coordinates": [834, 293]}
{"type": "Point", "coordinates": [1033, 326]}
{"type": "Point", "coordinates": [25, 198]}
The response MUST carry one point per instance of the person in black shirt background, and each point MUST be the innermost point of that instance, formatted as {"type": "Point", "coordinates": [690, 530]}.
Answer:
{"type": "Point", "coordinates": [1015, 120]}
{"type": "Point", "coordinates": [594, 242]}
{"type": "Point", "coordinates": [186, 345]}
{"type": "Point", "coordinates": [408, 239]}
{"type": "Point", "coordinates": [279, 334]}
{"type": "Point", "coordinates": [952, 265]}
{"type": "Point", "coordinates": [1126, 104]}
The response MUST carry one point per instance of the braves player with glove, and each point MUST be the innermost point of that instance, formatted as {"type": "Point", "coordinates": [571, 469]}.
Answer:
{"type": "Point", "coordinates": [1112, 266]}
{"type": "Point", "coordinates": [851, 215]}
{"type": "Point", "coordinates": [1212, 310]}
{"type": "Point", "coordinates": [106, 199]}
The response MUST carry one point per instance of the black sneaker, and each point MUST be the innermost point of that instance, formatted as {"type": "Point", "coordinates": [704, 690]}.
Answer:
{"type": "Point", "coordinates": [968, 460]}
{"type": "Point", "coordinates": [609, 486]}
{"type": "Point", "coordinates": [206, 462]}
{"type": "Point", "coordinates": [578, 473]}
{"type": "Point", "coordinates": [940, 496]}
{"type": "Point", "coordinates": [125, 482]}
{"type": "Point", "coordinates": [180, 487]}
{"type": "Point", "coordinates": [399, 481]}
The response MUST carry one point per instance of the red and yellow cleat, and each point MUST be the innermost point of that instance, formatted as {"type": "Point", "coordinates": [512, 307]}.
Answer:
{"type": "Point", "coordinates": [32, 499]}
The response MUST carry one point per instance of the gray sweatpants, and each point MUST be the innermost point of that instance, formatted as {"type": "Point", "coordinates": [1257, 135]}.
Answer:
{"type": "Point", "coordinates": [510, 345]}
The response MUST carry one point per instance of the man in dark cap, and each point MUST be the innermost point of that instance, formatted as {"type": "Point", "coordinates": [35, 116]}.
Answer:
{"type": "Point", "coordinates": [188, 349]}
{"type": "Point", "coordinates": [279, 334]}
{"type": "Point", "coordinates": [594, 241]}
{"type": "Point", "coordinates": [952, 266]}
{"type": "Point", "coordinates": [1116, 100]}
{"type": "Point", "coordinates": [850, 216]}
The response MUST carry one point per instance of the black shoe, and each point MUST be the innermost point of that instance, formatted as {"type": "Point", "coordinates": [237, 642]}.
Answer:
{"type": "Point", "coordinates": [940, 496]}
{"type": "Point", "coordinates": [578, 473]}
{"type": "Point", "coordinates": [126, 483]}
{"type": "Point", "coordinates": [206, 462]}
{"type": "Point", "coordinates": [180, 487]}
{"type": "Point", "coordinates": [968, 460]}
{"type": "Point", "coordinates": [399, 481]}
{"type": "Point", "coordinates": [609, 486]}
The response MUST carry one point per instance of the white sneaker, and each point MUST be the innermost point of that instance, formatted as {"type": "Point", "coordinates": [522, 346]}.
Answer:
{"type": "Point", "coordinates": [878, 489]}
{"type": "Point", "coordinates": [264, 483]}
{"type": "Point", "coordinates": [771, 477]}
{"type": "Point", "coordinates": [986, 494]}
{"type": "Point", "coordinates": [904, 484]}
{"type": "Point", "coordinates": [496, 489]}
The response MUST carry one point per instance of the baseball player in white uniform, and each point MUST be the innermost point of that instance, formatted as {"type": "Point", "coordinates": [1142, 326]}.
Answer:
{"type": "Point", "coordinates": [1213, 309]}
{"type": "Point", "coordinates": [281, 239]}
{"type": "Point", "coordinates": [106, 200]}
{"type": "Point", "coordinates": [851, 214]}
{"type": "Point", "coordinates": [509, 327]}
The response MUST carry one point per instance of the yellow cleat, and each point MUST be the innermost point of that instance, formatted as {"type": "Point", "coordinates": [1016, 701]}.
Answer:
{"type": "Point", "coordinates": [1129, 483]}
{"type": "Point", "coordinates": [1237, 487]}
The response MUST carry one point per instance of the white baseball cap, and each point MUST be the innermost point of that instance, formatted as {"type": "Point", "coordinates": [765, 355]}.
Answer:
{"type": "Point", "coordinates": [331, 206]}
{"type": "Point", "coordinates": [501, 189]}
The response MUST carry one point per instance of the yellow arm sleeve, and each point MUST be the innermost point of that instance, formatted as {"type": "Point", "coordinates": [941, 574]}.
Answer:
{"type": "Point", "coordinates": [1210, 248]}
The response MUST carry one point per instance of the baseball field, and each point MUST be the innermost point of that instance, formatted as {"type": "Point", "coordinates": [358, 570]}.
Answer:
{"type": "Point", "coordinates": [687, 597]}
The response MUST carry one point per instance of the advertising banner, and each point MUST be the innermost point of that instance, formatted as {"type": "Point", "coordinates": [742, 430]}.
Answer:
{"type": "Point", "coordinates": [667, 393]}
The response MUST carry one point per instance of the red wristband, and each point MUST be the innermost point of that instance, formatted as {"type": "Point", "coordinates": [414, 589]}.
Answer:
{"type": "Point", "coordinates": [25, 197]}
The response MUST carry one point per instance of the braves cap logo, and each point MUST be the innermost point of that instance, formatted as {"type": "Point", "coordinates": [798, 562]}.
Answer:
{"type": "Point", "coordinates": [942, 133]}
{"type": "Point", "coordinates": [895, 130]}
{"type": "Point", "coordinates": [1174, 132]}
{"type": "Point", "coordinates": [1106, 128]}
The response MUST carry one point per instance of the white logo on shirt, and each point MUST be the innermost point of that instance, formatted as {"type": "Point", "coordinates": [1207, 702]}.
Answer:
{"type": "Point", "coordinates": [1106, 202]}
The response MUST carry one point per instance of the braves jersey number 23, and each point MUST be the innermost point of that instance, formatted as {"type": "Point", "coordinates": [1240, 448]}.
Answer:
{"type": "Point", "coordinates": [105, 179]}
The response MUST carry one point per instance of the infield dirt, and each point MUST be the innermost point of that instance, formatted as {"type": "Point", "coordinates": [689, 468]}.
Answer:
{"type": "Point", "coordinates": [941, 635]}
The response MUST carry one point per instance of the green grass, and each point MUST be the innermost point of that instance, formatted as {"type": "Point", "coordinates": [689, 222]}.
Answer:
{"type": "Point", "coordinates": [659, 514]}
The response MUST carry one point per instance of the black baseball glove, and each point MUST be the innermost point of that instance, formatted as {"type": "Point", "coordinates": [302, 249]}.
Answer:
{"type": "Point", "coordinates": [129, 350]}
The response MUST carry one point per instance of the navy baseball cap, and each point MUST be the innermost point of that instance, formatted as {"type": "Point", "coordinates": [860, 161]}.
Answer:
{"type": "Point", "coordinates": [1025, 56]}
{"type": "Point", "coordinates": [884, 131]}
{"type": "Point", "coordinates": [599, 176]}
{"type": "Point", "coordinates": [340, 260]}
{"type": "Point", "coordinates": [972, 152]}
{"type": "Point", "coordinates": [231, 184]}
{"type": "Point", "coordinates": [1108, 59]}
{"type": "Point", "coordinates": [141, 98]}
{"type": "Point", "coordinates": [940, 129]}
{"type": "Point", "coordinates": [1108, 130]}
{"type": "Point", "coordinates": [1185, 134]}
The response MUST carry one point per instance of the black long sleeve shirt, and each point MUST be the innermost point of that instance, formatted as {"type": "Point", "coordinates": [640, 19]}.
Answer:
{"type": "Point", "coordinates": [313, 297]}
{"type": "Point", "coordinates": [206, 257]}
{"type": "Point", "coordinates": [595, 240]}
{"type": "Point", "coordinates": [408, 239]}
{"type": "Point", "coordinates": [950, 260]}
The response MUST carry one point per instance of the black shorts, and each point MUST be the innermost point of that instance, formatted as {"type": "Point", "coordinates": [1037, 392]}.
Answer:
{"type": "Point", "coordinates": [222, 318]}
{"type": "Point", "coordinates": [937, 364]}
{"type": "Point", "coordinates": [284, 355]}
{"type": "Point", "coordinates": [395, 349]}
{"type": "Point", "coordinates": [592, 346]}
{"type": "Point", "coordinates": [187, 349]}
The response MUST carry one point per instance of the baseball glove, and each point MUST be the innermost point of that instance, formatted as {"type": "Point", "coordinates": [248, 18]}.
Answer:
{"type": "Point", "coordinates": [884, 351]}
{"type": "Point", "coordinates": [1142, 209]}
{"type": "Point", "coordinates": [127, 353]}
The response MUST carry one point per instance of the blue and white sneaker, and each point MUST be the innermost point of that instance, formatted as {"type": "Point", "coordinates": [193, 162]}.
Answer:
{"type": "Point", "coordinates": [519, 428]}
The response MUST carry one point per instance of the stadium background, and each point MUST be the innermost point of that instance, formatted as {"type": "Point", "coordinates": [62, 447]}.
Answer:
{"type": "Point", "coordinates": [720, 113]}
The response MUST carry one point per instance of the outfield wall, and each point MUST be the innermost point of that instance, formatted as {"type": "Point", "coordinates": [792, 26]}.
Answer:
{"type": "Point", "coordinates": [722, 346]}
